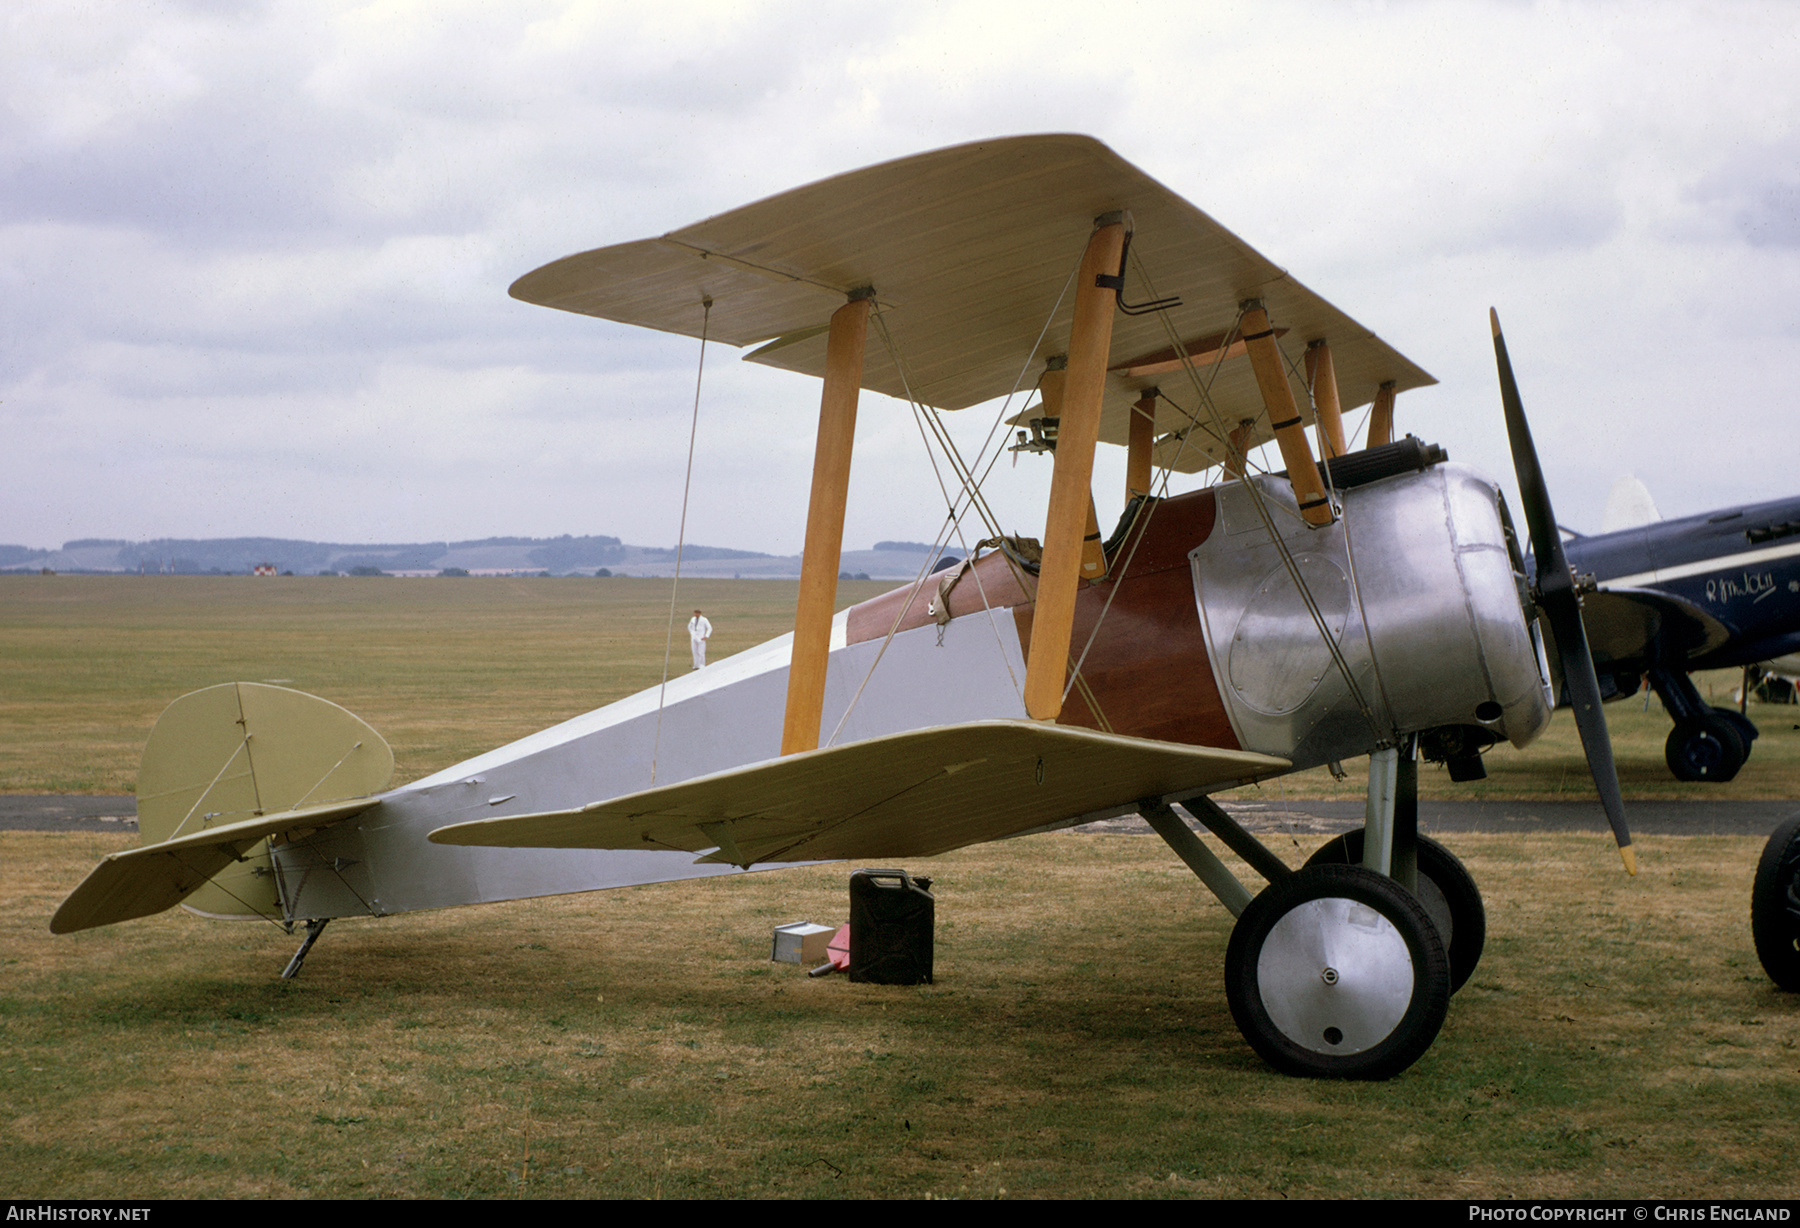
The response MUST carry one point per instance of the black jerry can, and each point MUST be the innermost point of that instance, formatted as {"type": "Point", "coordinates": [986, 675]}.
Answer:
{"type": "Point", "coordinates": [892, 915]}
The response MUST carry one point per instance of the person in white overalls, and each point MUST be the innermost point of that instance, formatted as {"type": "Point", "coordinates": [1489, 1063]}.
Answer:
{"type": "Point", "coordinates": [698, 632]}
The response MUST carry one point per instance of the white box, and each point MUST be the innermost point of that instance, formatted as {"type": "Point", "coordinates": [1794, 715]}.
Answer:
{"type": "Point", "coordinates": [801, 943]}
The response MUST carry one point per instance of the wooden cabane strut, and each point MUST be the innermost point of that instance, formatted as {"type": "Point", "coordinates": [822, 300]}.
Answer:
{"type": "Point", "coordinates": [1321, 380]}
{"type": "Point", "coordinates": [1140, 445]}
{"type": "Point", "coordinates": [1052, 386]}
{"type": "Point", "coordinates": [1284, 415]}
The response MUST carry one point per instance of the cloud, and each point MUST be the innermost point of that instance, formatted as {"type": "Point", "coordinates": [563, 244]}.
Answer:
{"type": "Point", "coordinates": [253, 257]}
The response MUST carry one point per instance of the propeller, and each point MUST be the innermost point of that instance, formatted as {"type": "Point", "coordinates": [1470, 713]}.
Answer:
{"type": "Point", "coordinates": [1561, 604]}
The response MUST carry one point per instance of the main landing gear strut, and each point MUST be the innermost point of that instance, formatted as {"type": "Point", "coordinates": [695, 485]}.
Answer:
{"type": "Point", "coordinates": [1707, 743]}
{"type": "Point", "coordinates": [1345, 967]}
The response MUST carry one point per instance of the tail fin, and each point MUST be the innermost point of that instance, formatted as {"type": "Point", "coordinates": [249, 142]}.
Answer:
{"type": "Point", "coordinates": [1628, 506]}
{"type": "Point", "coordinates": [225, 768]}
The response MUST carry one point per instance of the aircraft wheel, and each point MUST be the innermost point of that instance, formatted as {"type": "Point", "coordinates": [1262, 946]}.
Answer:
{"type": "Point", "coordinates": [1747, 731]}
{"type": "Point", "coordinates": [1446, 889]}
{"type": "Point", "coordinates": [1337, 972]}
{"type": "Point", "coordinates": [1775, 906]}
{"type": "Point", "coordinates": [1706, 748]}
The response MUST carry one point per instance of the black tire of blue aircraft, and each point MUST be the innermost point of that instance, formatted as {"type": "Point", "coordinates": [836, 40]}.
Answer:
{"type": "Point", "coordinates": [1706, 748]}
{"type": "Point", "coordinates": [1463, 924]}
{"type": "Point", "coordinates": [1775, 906]}
{"type": "Point", "coordinates": [1311, 1057]}
{"type": "Point", "coordinates": [1747, 731]}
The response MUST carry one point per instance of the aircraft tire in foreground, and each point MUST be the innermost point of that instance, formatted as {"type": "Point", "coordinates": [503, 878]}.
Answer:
{"type": "Point", "coordinates": [1446, 889]}
{"type": "Point", "coordinates": [1775, 906]}
{"type": "Point", "coordinates": [1706, 748]}
{"type": "Point", "coordinates": [1337, 972]}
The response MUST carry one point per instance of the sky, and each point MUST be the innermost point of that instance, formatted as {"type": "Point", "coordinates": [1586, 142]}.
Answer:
{"type": "Point", "coordinates": [254, 256]}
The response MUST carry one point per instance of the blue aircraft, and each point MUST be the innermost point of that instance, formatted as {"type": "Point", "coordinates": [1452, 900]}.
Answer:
{"type": "Point", "coordinates": [1716, 591]}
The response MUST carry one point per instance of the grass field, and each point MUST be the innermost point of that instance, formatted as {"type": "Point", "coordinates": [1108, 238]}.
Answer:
{"type": "Point", "coordinates": [1619, 1038]}
{"type": "Point", "coordinates": [445, 669]}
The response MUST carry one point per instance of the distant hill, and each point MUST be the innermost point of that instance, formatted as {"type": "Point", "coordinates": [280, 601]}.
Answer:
{"type": "Point", "coordinates": [565, 555]}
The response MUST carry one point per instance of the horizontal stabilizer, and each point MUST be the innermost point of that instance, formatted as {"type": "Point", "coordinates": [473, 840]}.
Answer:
{"type": "Point", "coordinates": [907, 795]}
{"type": "Point", "coordinates": [142, 881]}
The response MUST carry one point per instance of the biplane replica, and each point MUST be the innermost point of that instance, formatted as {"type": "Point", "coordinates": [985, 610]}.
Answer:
{"type": "Point", "coordinates": [1363, 602]}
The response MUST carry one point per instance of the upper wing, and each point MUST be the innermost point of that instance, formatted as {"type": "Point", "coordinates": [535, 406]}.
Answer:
{"type": "Point", "coordinates": [969, 250]}
{"type": "Point", "coordinates": [908, 795]}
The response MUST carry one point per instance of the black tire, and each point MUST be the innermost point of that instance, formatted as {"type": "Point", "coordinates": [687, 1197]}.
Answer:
{"type": "Point", "coordinates": [1704, 749]}
{"type": "Point", "coordinates": [1775, 906]}
{"type": "Point", "coordinates": [1747, 731]}
{"type": "Point", "coordinates": [1336, 972]}
{"type": "Point", "coordinates": [1446, 889]}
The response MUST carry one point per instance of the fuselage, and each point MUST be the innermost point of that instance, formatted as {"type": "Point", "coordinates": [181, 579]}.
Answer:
{"type": "Point", "coordinates": [1202, 634]}
{"type": "Point", "coordinates": [1740, 566]}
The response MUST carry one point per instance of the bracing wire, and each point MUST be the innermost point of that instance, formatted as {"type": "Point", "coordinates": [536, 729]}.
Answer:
{"type": "Point", "coordinates": [967, 498]}
{"type": "Point", "coordinates": [952, 523]}
{"type": "Point", "coordinates": [212, 881]}
{"type": "Point", "coordinates": [1263, 512]}
{"type": "Point", "coordinates": [354, 747]}
{"type": "Point", "coordinates": [687, 484]}
{"type": "Point", "coordinates": [241, 748]}
{"type": "Point", "coordinates": [965, 471]}
{"type": "Point", "coordinates": [1141, 526]}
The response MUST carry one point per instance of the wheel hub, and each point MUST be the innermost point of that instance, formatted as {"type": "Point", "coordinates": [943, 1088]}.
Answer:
{"type": "Point", "coordinates": [1335, 976]}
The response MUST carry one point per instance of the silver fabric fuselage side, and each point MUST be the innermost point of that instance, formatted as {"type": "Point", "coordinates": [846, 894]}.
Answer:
{"type": "Point", "coordinates": [724, 716]}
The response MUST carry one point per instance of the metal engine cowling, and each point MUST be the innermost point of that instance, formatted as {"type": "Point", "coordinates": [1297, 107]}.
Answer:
{"type": "Point", "coordinates": [1419, 585]}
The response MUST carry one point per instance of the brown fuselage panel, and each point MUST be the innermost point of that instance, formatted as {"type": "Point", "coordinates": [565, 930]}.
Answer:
{"type": "Point", "coordinates": [1147, 670]}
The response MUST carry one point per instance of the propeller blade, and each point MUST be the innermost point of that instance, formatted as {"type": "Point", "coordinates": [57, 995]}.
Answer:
{"type": "Point", "coordinates": [1546, 543]}
{"type": "Point", "coordinates": [1561, 604]}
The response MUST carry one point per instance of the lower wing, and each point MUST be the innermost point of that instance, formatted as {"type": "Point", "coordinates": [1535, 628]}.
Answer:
{"type": "Point", "coordinates": [907, 795]}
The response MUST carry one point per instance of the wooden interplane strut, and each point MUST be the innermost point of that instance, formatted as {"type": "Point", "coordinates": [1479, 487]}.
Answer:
{"type": "Point", "coordinates": [1381, 416]}
{"type": "Point", "coordinates": [1071, 485]}
{"type": "Point", "coordinates": [825, 526]}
